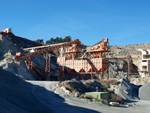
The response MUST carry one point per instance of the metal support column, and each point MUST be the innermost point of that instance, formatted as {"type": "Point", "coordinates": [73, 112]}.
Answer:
{"type": "Point", "coordinates": [48, 66]}
{"type": "Point", "coordinates": [91, 74]}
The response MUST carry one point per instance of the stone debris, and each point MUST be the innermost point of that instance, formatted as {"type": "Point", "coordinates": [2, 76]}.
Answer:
{"type": "Point", "coordinates": [77, 94]}
{"type": "Point", "coordinates": [114, 103]}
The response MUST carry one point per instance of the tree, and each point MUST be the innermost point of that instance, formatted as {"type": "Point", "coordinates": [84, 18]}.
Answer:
{"type": "Point", "coordinates": [40, 41]}
{"type": "Point", "coordinates": [48, 42]}
{"type": "Point", "coordinates": [58, 40]}
{"type": "Point", "coordinates": [51, 41]}
{"type": "Point", "coordinates": [67, 39]}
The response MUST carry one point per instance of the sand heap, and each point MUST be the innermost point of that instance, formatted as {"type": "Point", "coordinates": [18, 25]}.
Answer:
{"type": "Point", "coordinates": [127, 90]}
{"type": "Point", "coordinates": [17, 96]}
{"type": "Point", "coordinates": [144, 92]}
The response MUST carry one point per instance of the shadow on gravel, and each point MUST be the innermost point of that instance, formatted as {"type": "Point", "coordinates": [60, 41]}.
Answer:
{"type": "Point", "coordinates": [132, 101]}
{"type": "Point", "coordinates": [55, 102]}
{"type": "Point", "coordinates": [18, 96]}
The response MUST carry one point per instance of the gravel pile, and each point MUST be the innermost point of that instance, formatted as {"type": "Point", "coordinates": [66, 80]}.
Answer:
{"type": "Point", "coordinates": [144, 92]}
{"type": "Point", "coordinates": [17, 96]}
{"type": "Point", "coordinates": [127, 90]}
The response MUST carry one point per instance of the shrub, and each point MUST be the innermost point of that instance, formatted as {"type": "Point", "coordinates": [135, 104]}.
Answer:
{"type": "Point", "coordinates": [68, 87]}
{"type": "Point", "coordinates": [98, 100]}
{"type": "Point", "coordinates": [115, 98]}
{"type": "Point", "coordinates": [86, 96]}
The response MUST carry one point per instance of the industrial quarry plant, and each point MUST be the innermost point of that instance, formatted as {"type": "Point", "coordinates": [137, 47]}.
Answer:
{"type": "Point", "coordinates": [72, 77]}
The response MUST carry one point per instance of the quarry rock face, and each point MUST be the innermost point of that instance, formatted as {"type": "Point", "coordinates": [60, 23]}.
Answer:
{"type": "Point", "coordinates": [144, 92]}
{"type": "Point", "coordinates": [117, 68]}
{"type": "Point", "coordinates": [121, 53]}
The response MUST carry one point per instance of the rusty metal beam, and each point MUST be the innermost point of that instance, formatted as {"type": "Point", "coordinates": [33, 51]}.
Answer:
{"type": "Point", "coordinates": [76, 41]}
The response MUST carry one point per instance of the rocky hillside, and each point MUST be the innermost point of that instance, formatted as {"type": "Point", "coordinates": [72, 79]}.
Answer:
{"type": "Point", "coordinates": [10, 45]}
{"type": "Point", "coordinates": [123, 51]}
{"type": "Point", "coordinates": [23, 42]}
{"type": "Point", "coordinates": [119, 62]}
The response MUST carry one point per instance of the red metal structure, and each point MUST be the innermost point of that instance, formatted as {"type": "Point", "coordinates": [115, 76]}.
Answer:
{"type": "Point", "coordinates": [29, 57]}
{"type": "Point", "coordinates": [98, 64]}
{"type": "Point", "coordinates": [70, 60]}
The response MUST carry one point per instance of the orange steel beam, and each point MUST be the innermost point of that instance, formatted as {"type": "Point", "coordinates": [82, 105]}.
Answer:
{"type": "Point", "coordinates": [41, 47]}
{"type": "Point", "coordinates": [30, 64]}
{"type": "Point", "coordinates": [56, 46]}
{"type": "Point", "coordinates": [98, 42]}
{"type": "Point", "coordinates": [102, 41]}
{"type": "Point", "coordinates": [76, 41]}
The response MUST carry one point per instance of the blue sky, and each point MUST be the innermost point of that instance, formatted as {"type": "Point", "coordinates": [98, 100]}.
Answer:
{"type": "Point", "coordinates": [124, 22]}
